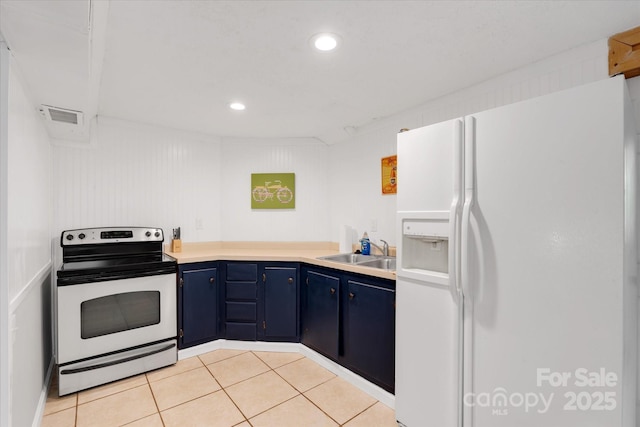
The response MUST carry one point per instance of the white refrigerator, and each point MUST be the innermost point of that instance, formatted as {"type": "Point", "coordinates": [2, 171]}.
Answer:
{"type": "Point", "coordinates": [517, 271]}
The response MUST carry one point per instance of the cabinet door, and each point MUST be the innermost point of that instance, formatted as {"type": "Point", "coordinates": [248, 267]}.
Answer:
{"type": "Point", "coordinates": [199, 305]}
{"type": "Point", "coordinates": [280, 302]}
{"type": "Point", "coordinates": [320, 314]}
{"type": "Point", "coordinates": [369, 347]}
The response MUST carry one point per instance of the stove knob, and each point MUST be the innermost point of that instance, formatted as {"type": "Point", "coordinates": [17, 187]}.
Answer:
{"type": "Point", "coordinates": [148, 234]}
{"type": "Point", "coordinates": [157, 234]}
{"type": "Point", "coordinates": [69, 237]}
{"type": "Point", "coordinates": [81, 236]}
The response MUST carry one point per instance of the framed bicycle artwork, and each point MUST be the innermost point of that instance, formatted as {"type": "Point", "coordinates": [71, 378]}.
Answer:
{"type": "Point", "coordinates": [273, 190]}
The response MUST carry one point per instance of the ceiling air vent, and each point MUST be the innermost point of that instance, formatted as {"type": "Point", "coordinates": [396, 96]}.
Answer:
{"type": "Point", "coordinates": [61, 115]}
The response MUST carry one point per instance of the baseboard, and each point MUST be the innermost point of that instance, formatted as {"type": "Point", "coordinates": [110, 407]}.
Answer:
{"type": "Point", "coordinates": [37, 418]}
{"type": "Point", "coordinates": [342, 372]}
{"type": "Point", "coordinates": [286, 347]}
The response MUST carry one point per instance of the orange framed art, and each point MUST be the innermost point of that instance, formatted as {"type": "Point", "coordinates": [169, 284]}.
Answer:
{"type": "Point", "coordinates": [389, 174]}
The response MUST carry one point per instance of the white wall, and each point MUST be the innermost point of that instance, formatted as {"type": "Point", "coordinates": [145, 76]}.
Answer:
{"type": "Point", "coordinates": [356, 197]}
{"type": "Point", "coordinates": [29, 254]}
{"type": "Point", "coordinates": [136, 175]}
{"type": "Point", "coordinates": [355, 185]}
{"type": "Point", "coordinates": [307, 158]}
{"type": "Point", "coordinates": [133, 174]}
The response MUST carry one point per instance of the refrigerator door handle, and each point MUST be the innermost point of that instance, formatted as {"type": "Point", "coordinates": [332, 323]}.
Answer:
{"type": "Point", "coordinates": [454, 214]}
{"type": "Point", "coordinates": [469, 200]}
{"type": "Point", "coordinates": [470, 226]}
{"type": "Point", "coordinates": [465, 349]}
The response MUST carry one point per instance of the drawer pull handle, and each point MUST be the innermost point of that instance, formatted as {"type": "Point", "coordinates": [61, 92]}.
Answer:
{"type": "Point", "coordinates": [332, 291]}
{"type": "Point", "coordinates": [290, 280]}
{"type": "Point", "coordinates": [212, 280]}
{"type": "Point", "coordinates": [352, 295]}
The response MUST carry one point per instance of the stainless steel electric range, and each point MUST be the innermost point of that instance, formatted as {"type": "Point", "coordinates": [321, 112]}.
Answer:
{"type": "Point", "coordinates": [116, 306]}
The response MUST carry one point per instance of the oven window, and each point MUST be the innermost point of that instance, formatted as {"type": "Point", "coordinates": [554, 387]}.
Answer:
{"type": "Point", "coordinates": [120, 312]}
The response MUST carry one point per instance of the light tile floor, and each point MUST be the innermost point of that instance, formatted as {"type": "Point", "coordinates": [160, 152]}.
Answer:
{"type": "Point", "coordinates": [223, 388]}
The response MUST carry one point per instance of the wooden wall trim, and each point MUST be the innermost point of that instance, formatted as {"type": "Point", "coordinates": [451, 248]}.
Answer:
{"type": "Point", "coordinates": [624, 53]}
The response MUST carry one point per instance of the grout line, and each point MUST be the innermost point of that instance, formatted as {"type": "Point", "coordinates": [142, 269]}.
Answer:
{"type": "Point", "coordinates": [278, 367]}
{"type": "Point", "coordinates": [236, 405]}
{"type": "Point", "coordinates": [361, 412]}
{"type": "Point", "coordinates": [248, 378]}
{"type": "Point", "coordinates": [155, 402]}
{"type": "Point", "coordinates": [275, 406]}
{"type": "Point", "coordinates": [190, 400]}
{"type": "Point", "coordinates": [217, 361]}
{"type": "Point", "coordinates": [318, 385]}
{"type": "Point", "coordinates": [301, 393]}
{"type": "Point", "coordinates": [322, 383]}
{"type": "Point", "coordinates": [321, 410]}
{"type": "Point", "coordinates": [111, 394]}
{"type": "Point", "coordinates": [172, 375]}
{"type": "Point", "coordinates": [268, 409]}
{"type": "Point", "coordinates": [298, 390]}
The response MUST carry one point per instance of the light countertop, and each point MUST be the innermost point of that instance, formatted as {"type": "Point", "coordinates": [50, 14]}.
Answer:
{"type": "Point", "coordinates": [307, 252]}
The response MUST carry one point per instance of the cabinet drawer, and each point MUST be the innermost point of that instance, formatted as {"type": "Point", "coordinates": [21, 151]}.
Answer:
{"type": "Point", "coordinates": [242, 272]}
{"type": "Point", "coordinates": [244, 311]}
{"type": "Point", "coordinates": [241, 290]}
{"type": "Point", "coordinates": [241, 331]}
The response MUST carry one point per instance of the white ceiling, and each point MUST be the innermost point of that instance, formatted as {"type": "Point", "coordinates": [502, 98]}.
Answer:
{"type": "Point", "coordinates": [179, 63]}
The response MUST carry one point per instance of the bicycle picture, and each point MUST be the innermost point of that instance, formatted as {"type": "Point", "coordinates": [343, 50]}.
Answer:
{"type": "Point", "coordinates": [273, 191]}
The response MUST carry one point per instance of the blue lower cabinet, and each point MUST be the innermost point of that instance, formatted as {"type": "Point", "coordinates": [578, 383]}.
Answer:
{"type": "Point", "coordinates": [350, 318]}
{"type": "Point", "coordinates": [280, 303]}
{"type": "Point", "coordinates": [320, 312]}
{"type": "Point", "coordinates": [198, 303]}
{"type": "Point", "coordinates": [347, 317]}
{"type": "Point", "coordinates": [261, 301]}
{"type": "Point", "coordinates": [369, 332]}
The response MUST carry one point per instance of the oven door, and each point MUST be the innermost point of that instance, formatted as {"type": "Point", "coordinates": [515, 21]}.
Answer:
{"type": "Point", "coordinates": [102, 317]}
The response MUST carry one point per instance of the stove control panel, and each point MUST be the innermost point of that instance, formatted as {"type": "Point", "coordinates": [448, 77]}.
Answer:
{"type": "Point", "coordinates": [106, 235]}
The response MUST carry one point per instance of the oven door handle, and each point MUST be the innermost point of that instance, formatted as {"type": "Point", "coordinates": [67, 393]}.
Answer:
{"type": "Point", "coordinates": [116, 362]}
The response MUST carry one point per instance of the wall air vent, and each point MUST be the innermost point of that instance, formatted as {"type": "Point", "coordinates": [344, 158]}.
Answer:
{"type": "Point", "coordinates": [61, 115]}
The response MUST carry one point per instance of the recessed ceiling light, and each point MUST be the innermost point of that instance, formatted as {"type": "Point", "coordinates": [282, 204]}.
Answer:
{"type": "Point", "coordinates": [238, 106]}
{"type": "Point", "coordinates": [325, 41]}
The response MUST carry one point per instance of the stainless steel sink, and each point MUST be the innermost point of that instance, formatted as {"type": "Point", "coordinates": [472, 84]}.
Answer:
{"type": "Point", "coordinates": [385, 263]}
{"type": "Point", "coordinates": [374, 261]}
{"type": "Point", "coordinates": [348, 258]}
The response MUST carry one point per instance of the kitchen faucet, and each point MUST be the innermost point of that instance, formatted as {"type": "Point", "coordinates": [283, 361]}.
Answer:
{"type": "Point", "coordinates": [384, 249]}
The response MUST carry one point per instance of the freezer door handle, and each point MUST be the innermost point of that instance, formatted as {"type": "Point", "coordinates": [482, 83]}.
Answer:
{"type": "Point", "coordinates": [470, 227]}
{"type": "Point", "coordinates": [469, 200]}
{"type": "Point", "coordinates": [454, 214]}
